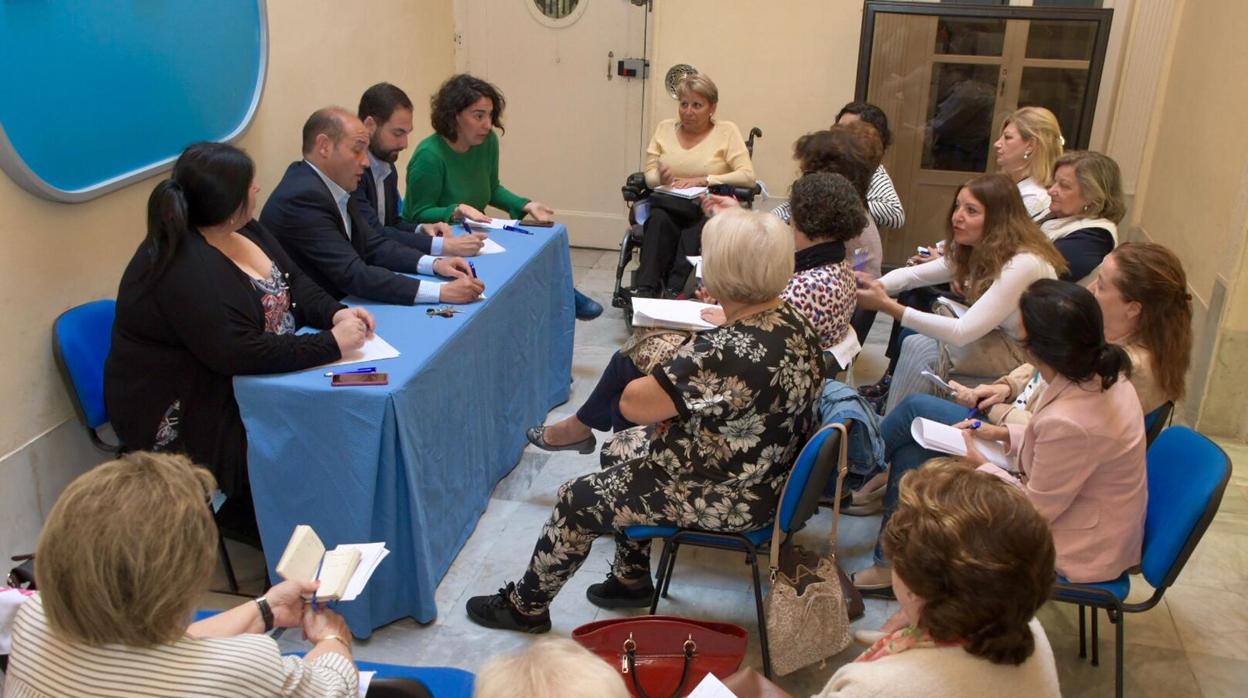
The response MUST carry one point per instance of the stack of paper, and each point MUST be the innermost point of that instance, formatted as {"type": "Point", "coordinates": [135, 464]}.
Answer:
{"type": "Point", "coordinates": [675, 315]}
{"type": "Point", "coordinates": [685, 193]}
{"type": "Point", "coordinates": [935, 436]}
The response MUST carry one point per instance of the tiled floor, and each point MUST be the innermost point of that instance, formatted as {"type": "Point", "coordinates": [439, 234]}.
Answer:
{"type": "Point", "coordinates": [1195, 643]}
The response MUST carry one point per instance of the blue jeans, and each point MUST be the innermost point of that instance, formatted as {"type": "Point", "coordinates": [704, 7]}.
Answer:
{"type": "Point", "coordinates": [901, 451]}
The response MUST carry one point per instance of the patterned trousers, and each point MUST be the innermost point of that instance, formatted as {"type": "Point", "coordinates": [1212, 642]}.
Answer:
{"type": "Point", "coordinates": [633, 493]}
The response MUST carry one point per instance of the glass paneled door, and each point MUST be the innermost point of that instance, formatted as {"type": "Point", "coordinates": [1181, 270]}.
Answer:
{"type": "Point", "coordinates": [948, 77]}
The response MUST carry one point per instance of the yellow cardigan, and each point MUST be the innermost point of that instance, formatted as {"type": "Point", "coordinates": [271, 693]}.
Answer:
{"type": "Point", "coordinates": [721, 157]}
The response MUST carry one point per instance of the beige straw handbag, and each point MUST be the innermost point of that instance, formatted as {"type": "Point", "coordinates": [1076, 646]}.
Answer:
{"type": "Point", "coordinates": [806, 613]}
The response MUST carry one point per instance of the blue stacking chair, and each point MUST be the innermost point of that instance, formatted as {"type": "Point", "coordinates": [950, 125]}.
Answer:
{"type": "Point", "coordinates": [1187, 474]}
{"type": "Point", "coordinates": [81, 339]}
{"type": "Point", "coordinates": [1157, 420]}
{"type": "Point", "coordinates": [814, 465]}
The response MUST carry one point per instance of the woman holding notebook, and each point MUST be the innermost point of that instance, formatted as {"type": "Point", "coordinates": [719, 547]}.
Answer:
{"type": "Point", "coordinates": [124, 558]}
{"type": "Point", "coordinates": [1081, 455]}
{"type": "Point", "coordinates": [691, 151]}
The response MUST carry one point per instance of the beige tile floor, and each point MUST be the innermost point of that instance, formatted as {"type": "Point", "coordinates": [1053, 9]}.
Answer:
{"type": "Point", "coordinates": [1195, 643]}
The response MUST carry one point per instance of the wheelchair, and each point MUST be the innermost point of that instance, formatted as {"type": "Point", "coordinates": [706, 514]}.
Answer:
{"type": "Point", "coordinates": [636, 191]}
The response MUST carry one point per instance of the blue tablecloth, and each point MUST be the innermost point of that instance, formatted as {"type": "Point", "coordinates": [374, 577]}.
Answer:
{"type": "Point", "coordinates": [413, 463]}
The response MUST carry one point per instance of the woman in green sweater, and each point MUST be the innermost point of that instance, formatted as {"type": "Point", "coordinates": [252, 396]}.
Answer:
{"type": "Point", "coordinates": [454, 172]}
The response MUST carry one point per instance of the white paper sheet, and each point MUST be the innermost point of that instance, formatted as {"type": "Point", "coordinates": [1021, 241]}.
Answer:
{"type": "Point", "coordinates": [491, 247]}
{"type": "Point", "coordinates": [696, 261]}
{"type": "Point", "coordinates": [371, 555]}
{"type": "Point", "coordinates": [712, 687]}
{"type": "Point", "coordinates": [686, 193]}
{"type": "Point", "coordinates": [493, 223]}
{"type": "Point", "coordinates": [374, 349]}
{"type": "Point", "coordinates": [944, 438]}
{"type": "Point", "coordinates": [679, 315]}
{"type": "Point", "coordinates": [366, 677]}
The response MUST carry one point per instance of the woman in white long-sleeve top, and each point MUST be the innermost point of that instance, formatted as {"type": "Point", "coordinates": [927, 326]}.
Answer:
{"type": "Point", "coordinates": [993, 253]}
{"type": "Point", "coordinates": [1029, 146]}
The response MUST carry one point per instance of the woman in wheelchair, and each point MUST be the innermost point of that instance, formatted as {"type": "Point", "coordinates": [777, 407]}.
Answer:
{"type": "Point", "coordinates": [694, 150]}
{"type": "Point", "coordinates": [827, 211]}
{"type": "Point", "coordinates": [724, 420]}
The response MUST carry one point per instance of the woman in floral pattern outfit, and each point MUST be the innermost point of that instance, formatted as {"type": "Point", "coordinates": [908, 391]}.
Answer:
{"type": "Point", "coordinates": [720, 426]}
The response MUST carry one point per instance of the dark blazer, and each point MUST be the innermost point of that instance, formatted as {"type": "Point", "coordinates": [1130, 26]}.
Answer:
{"type": "Point", "coordinates": [389, 225]}
{"type": "Point", "coordinates": [178, 342]}
{"type": "Point", "coordinates": [302, 214]}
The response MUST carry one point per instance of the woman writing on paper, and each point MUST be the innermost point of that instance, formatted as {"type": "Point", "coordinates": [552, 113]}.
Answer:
{"type": "Point", "coordinates": [453, 174]}
{"type": "Point", "coordinates": [693, 150]}
{"type": "Point", "coordinates": [125, 556]}
{"type": "Point", "coordinates": [209, 295]}
{"type": "Point", "coordinates": [1080, 456]}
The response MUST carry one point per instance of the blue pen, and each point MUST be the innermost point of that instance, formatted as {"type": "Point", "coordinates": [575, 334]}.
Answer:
{"type": "Point", "coordinates": [466, 228]}
{"type": "Point", "coordinates": [514, 229]}
{"type": "Point", "coordinates": [971, 413]}
{"type": "Point", "coordinates": [473, 267]}
{"type": "Point", "coordinates": [370, 369]}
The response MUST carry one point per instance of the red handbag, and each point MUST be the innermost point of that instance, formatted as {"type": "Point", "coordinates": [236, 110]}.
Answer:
{"type": "Point", "coordinates": [662, 656]}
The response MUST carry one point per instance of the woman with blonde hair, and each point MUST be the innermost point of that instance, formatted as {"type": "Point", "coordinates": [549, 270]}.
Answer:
{"type": "Point", "coordinates": [1086, 206]}
{"type": "Point", "coordinates": [693, 150]}
{"type": "Point", "coordinates": [124, 557]}
{"type": "Point", "coordinates": [549, 668]}
{"type": "Point", "coordinates": [721, 422]}
{"type": "Point", "coordinates": [993, 251]}
{"type": "Point", "coordinates": [972, 563]}
{"type": "Point", "coordinates": [1030, 143]}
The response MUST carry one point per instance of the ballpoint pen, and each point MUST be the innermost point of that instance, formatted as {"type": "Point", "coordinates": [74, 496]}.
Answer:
{"type": "Point", "coordinates": [514, 229]}
{"type": "Point", "coordinates": [370, 369]}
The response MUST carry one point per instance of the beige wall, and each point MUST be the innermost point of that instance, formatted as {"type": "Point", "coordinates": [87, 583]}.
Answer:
{"type": "Point", "coordinates": [59, 255]}
{"type": "Point", "coordinates": [786, 67]}
{"type": "Point", "coordinates": [1194, 198]}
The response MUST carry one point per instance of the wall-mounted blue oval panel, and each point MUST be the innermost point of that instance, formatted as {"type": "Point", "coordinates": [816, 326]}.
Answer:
{"type": "Point", "coordinates": [96, 94]}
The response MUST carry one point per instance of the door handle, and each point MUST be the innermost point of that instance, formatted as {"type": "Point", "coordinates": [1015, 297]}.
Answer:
{"type": "Point", "coordinates": [610, 61]}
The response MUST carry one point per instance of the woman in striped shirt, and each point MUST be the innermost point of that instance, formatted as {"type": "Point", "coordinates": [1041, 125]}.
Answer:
{"type": "Point", "coordinates": [882, 200]}
{"type": "Point", "coordinates": [125, 554]}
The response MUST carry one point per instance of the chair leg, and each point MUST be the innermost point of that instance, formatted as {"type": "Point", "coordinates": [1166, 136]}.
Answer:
{"type": "Point", "coordinates": [762, 619]}
{"type": "Point", "coordinates": [230, 580]}
{"type": "Point", "coordinates": [1120, 648]}
{"type": "Point", "coordinates": [1083, 633]}
{"type": "Point", "coordinates": [664, 573]}
{"type": "Point", "coordinates": [1096, 641]}
{"type": "Point", "coordinates": [671, 565]}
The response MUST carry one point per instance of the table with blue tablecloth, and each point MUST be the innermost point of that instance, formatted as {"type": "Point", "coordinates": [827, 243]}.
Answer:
{"type": "Point", "coordinates": [412, 463]}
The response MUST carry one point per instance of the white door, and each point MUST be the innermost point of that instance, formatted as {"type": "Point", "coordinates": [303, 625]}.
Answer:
{"type": "Point", "coordinates": [573, 127]}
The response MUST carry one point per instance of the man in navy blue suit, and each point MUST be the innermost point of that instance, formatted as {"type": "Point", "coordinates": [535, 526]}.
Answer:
{"type": "Point", "coordinates": [386, 112]}
{"type": "Point", "coordinates": [313, 214]}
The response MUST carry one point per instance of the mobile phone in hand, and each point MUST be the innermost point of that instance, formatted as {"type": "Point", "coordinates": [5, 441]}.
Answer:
{"type": "Point", "coordinates": [348, 379]}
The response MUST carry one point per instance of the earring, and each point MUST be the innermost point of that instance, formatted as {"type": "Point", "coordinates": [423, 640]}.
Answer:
{"type": "Point", "coordinates": [1027, 155]}
{"type": "Point", "coordinates": [1086, 207]}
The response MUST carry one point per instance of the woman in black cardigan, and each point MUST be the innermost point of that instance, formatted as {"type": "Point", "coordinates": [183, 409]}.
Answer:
{"type": "Point", "coordinates": [209, 295]}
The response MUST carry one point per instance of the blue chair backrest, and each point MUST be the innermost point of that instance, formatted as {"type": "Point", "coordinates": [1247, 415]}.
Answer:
{"type": "Point", "coordinates": [1156, 420]}
{"type": "Point", "coordinates": [81, 338]}
{"type": "Point", "coordinates": [799, 478]}
{"type": "Point", "coordinates": [1187, 474]}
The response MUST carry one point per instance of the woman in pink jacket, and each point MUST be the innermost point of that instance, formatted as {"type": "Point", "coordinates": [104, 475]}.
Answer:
{"type": "Point", "coordinates": [1081, 457]}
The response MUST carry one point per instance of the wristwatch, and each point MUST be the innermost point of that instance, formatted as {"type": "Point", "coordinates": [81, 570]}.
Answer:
{"type": "Point", "coordinates": [266, 613]}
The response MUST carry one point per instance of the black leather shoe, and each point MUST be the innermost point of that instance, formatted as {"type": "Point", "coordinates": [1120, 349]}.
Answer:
{"type": "Point", "coordinates": [537, 437]}
{"type": "Point", "coordinates": [497, 612]}
{"type": "Point", "coordinates": [614, 594]}
{"type": "Point", "coordinates": [586, 308]}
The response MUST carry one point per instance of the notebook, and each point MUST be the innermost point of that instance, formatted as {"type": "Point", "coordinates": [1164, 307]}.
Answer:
{"type": "Point", "coordinates": [343, 571]}
{"type": "Point", "coordinates": [685, 193]}
{"type": "Point", "coordinates": [935, 436]}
